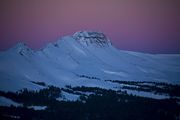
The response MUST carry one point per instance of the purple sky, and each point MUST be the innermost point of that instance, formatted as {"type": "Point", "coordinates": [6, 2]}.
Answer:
{"type": "Point", "coordinates": [137, 25]}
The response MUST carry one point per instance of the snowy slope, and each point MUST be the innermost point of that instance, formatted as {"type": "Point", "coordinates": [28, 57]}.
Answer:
{"type": "Point", "coordinates": [85, 58]}
{"type": "Point", "coordinates": [8, 102]}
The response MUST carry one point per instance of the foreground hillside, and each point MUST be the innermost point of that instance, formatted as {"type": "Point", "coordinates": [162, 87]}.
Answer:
{"type": "Point", "coordinates": [101, 104]}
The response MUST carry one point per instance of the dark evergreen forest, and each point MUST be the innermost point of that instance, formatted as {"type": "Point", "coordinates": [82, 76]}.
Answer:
{"type": "Point", "coordinates": [103, 104]}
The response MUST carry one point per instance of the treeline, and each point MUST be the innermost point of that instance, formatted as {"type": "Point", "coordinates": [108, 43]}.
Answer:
{"type": "Point", "coordinates": [155, 87]}
{"type": "Point", "coordinates": [88, 77]}
{"type": "Point", "coordinates": [39, 97]}
{"type": "Point", "coordinates": [102, 105]}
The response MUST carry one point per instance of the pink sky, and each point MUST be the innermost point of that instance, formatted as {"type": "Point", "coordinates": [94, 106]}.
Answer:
{"type": "Point", "coordinates": [137, 25]}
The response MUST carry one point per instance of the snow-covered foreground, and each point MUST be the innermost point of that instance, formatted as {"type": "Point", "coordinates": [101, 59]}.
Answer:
{"type": "Point", "coordinates": [8, 102]}
{"type": "Point", "coordinates": [84, 59]}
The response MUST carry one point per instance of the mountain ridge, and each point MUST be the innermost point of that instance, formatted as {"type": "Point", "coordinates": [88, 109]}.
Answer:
{"type": "Point", "coordinates": [84, 33]}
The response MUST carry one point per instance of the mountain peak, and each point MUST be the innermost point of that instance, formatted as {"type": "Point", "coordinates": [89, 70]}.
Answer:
{"type": "Point", "coordinates": [88, 38]}
{"type": "Point", "coordinates": [22, 49]}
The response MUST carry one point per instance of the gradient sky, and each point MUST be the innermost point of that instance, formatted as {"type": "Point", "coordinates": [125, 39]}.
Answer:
{"type": "Point", "coordinates": [137, 25]}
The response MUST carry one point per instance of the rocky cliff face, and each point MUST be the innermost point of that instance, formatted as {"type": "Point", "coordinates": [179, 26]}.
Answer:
{"type": "Point", "coordinates": [88, 38]}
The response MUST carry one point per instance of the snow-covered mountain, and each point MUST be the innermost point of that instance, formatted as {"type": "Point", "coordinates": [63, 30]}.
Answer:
{"type": "Point", "coordinates": [83, 59]}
